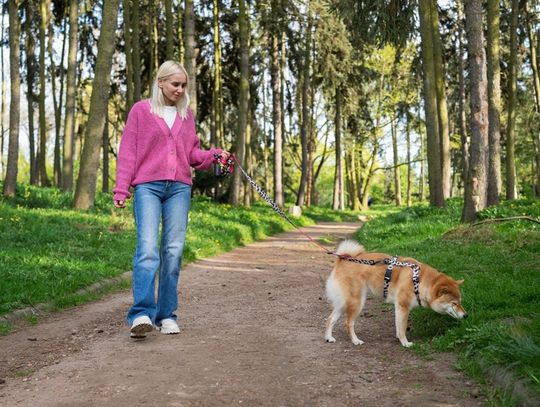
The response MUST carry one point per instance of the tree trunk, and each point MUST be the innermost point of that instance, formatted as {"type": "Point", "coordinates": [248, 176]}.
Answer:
{"type": "Point", "coordinates": [30, 79]}
{"type": "Point", "coordinates": [436, 196]}
{"type": "Point", "coordinates": [494, 100]}
{"type": "Point", "coordinates": [86, 183]}
{"type": "Point", "coordinates": [409, 164]}
{"type": "Point", "coordinates": [10, 182]}
{"type": "Point", "coordinates": [105, 152]}
{"type": "Point", "coordinates": [277, 113]}
{"type": "Point", "coordinates": [337, 201]}
{"type": "Point", "coordinates": [71, 98]}
{"type": "Point", "coordinates": [191, 54]}
{"type": "Point", "coordinates": [169, 32]}
{"type": "Point", "coordinates": [57, 102]}
{"type": "Point", "coordinates": [462, 118]}
{"type": "Point", "coordinates": [304, 127]}
{"type": "Point", "coordinates": [42, 152]}
{"type": "Point", "coordinates": [243, 101]}
{"type": "Point", "coordinates": [475, 187]}
{"type": "Point", "coordinates": [128, 40]}
{"type": "Point", "coordinates": [442, 109]}
{"type": "Point", "coordinates": [397, 177]}
{"type": "Point", "coordinates": [136, 53]}
{"type": "Point", "coordinates": [217, 136]}
{"type": "Point", "coordinates": [3, 102]}
{"type": "Point", "coordinates": [511, 187]}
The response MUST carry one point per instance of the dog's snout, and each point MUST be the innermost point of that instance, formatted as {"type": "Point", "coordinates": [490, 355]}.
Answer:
{"type": "Point", "coordinates": [465, 316]}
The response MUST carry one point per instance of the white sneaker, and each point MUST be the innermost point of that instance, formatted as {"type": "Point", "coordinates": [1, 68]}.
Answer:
{"type": "Point", "coordinates": [169, 327]}
{"type": "Point", "coordinates": [141, 326]}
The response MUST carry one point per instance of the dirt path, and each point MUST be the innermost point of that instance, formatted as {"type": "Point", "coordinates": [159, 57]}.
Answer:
{"type": "Point", "coordinates": [252, 325]}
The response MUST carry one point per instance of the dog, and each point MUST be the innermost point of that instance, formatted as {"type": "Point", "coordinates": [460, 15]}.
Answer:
{"type": "Point", "coordinates": [350, 281]}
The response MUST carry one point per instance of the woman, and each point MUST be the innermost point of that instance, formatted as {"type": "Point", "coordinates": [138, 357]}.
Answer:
{"type": "Point", "coordinates": [158, 148]}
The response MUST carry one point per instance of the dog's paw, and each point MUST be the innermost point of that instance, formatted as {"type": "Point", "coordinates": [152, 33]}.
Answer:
{"type": "Point", "coordinates": [330, 339]}
{"type": "Point", "coordinates": [407, 344]}
{"type": "Point", "coordinates": [357, 341]}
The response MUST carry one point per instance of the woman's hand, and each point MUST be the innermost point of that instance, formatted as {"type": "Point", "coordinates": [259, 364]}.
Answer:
{"type": "Point", "coordinates": [119, 203]}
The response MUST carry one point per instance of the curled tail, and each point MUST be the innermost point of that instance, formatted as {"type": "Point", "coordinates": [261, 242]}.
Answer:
{"type": "Point", "coordinates": [350, 248]}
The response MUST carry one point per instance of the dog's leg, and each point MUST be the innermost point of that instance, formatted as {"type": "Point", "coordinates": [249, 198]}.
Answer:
{"type": "Point", "coordinates": [402, 318]}
{"type": "Point", "coordinates": [330, 322]}
{"type": "Point", "coordinates": [352, 312]}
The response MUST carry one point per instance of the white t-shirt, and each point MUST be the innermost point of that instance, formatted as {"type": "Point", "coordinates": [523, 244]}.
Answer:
{"type": "Point", "coordinates": [170, 115]}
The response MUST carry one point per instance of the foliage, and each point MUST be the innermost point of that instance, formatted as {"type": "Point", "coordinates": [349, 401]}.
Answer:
{"type": "Point", "coordinates": [500, 263]}
{"type": "Point", "coordinates": [50, 251]}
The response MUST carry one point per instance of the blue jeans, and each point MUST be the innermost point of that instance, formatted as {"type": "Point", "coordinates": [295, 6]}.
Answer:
{"type": "Point", "coordinates": [165, 202]}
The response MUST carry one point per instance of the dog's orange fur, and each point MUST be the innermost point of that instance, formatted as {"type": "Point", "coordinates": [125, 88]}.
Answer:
{"type": "Point", "coordinates": [349, 283]}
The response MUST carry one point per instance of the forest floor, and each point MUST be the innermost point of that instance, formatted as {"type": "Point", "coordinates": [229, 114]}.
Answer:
{"type": "Point", "coordinates": [252, 333]}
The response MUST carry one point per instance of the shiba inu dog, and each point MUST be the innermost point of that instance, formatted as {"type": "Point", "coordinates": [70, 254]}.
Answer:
{"type": "Point", "coordinates": [351, 280]}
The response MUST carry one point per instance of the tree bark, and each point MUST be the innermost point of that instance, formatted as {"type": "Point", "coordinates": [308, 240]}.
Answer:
{"type": "Point", "coordinates": [462, 117]}
{"type": "Point", "coordinates": [494, 100]}
{"type": "Point", "coordinates": [337, 201]}
{"type": "Point", "coordinates": [10, 182]}
{"type": "Point", "coordinates": [169, 32]}
{"type": "Point", "coordinates": [136, 53]}
{"type": "Point", "coordinates": [30, 79]}
{"type": "Point", "coordinates": [442, 108]}
{"type": "Point", "coordinates": [475, 187]}
{"type": "Point", "coordinates": [86, 183]}
{"type": "Point", "coordinates": [128, 40]}
{"type": "Point", "coordinates": [277, 113]}
{"type": "Point", "coordinates": [397, 177]}
{"type": "Point", "coordinates": [42, 152]}
{"type": "Point", "coordinates": [190, 46]}
{"type": "Point", "coordinates": [511, 187]}
{"type": "Point", "coordinates": [304, 127]}
{"type": "Point", "coordinates": [436, 196]}
{"type": "Point", "coordinates": [71, 98]}
{"type": "Point", "coordinates": [243, 101]}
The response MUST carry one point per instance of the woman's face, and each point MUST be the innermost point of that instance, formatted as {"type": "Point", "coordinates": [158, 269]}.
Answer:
{"type": "Point", "coordinates": [173, 88]}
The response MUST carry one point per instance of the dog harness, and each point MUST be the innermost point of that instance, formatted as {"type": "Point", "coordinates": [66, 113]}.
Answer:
{"type": "Point", "coordinates": [393, 261]}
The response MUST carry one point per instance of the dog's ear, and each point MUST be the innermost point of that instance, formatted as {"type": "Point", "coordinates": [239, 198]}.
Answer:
{"type": "Point", "coordinates": [459, 282]}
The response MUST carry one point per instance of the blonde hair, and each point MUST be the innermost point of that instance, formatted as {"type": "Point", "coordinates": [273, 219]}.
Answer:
{"type": "Point", "coordinates": [157, 101]}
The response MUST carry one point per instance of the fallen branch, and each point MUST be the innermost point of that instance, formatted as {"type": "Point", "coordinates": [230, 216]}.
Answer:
{"type": "Point", "coordinates": [505, 219]}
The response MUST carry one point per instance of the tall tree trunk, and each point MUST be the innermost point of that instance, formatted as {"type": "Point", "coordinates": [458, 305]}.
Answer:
{"type": "Point", "coordinates": [277, 112]}
{"type": "Point", "coordinates": [191, 54]}
{"type": "Point", "coordinates": [180, 29]}
{"type": "Point", "coordinates": [105, 152]}
{"type": "Point", "coordinates": [169, 32]}
{"type": "Point", "coordinates": [462, 118]}
{"type": "Point", "coordinates": [30, 79]}
{"type": "Point", "coordinates": [409, 164]}
{"type": "Point", "coordinates": [42, 152]}
{"type": "Point", "coordinates": [128, 40]}
{"type": "Point", "coordinates": [337, 201]}
{"type": "Point", "coordinates": [10, 182]}
{"type": "Point", "coordinates": [422, 180]}
{"type": "Point", "coordinates": [243, 100]}
{"type": "Point", "coordinates": [494, 100]}
{"type": "Point", "coordinates": [71, 98]}
{"type": "Point", "coordinates": [436, 196]}
{"type": "Point", "coordinates": [217, 136]}
{"type": "Point", "coordinates": [136, 52]}
{"type": "Point", "coordinates": [57, 101]}
{"type": "Point", "coordinates": [397, 177]}
{"type": "Point", "coordinates": [3, 101]}
{"type": "Point", "coordinates": [306, 119]}
{"type": "Point", "coordinates": [511, 187]}
{"type": "Point", "coordinates": [85, 193]}
{"type": "Point", "coordinates": [442, 109]}
{"type": "Point", "coordinates": [475, 187]}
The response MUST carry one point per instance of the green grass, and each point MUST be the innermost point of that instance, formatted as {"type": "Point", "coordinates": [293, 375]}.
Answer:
{"type": "Point", "coordinates": [500, 263]}
{"type": "Point", "coordinates": [49, 251]}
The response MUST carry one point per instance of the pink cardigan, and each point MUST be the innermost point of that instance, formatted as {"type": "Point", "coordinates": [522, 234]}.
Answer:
{"type": "Point", "coordinates": [150, 151]}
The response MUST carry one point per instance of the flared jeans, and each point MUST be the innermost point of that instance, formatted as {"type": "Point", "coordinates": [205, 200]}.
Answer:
{"type": "Point", "coordinates": [164, 203]}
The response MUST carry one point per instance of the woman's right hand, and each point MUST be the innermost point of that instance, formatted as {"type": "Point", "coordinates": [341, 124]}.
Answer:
{"type": "Point", "coordinates": [119, 203]}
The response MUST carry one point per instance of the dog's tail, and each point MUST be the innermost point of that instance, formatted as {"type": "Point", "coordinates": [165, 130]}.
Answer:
{"type": "Point", "coordinates": [350, 248]}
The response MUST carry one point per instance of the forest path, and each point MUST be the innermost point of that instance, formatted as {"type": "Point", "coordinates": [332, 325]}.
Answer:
{"type": "Point", "coordinates": [252, 333]}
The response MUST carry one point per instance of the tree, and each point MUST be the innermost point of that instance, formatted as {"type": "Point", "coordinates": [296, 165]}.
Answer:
{"type": "Point", "coordinates": [169, 35]}
{"type": "Point", "coordinates": [30, 79]}
{"type": "Point", "coordinates": [190, 46]}
{"type": "Point", "coordinates": [475, 186]}
{"type": "Point", "coordinates": [86, 183]}
{"type": "Point", "coordinates": [71, 99]}
{"type": "Point", "coordinates": [511, 188]}
{"type": "Point", "coordinates": [10, 182]}
{"type": "Point", "coordinates": [42, 152]}
{"type": "Point", "coordinates": [243, 100]}
{"type": "Point", "coordinates": [436, 196]}
{"type": "Point", "coordinates": [494, 101]}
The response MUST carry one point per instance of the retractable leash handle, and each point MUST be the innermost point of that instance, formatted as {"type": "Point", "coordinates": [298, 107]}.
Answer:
{"type": "Point", "coordinates": [223, 166]}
